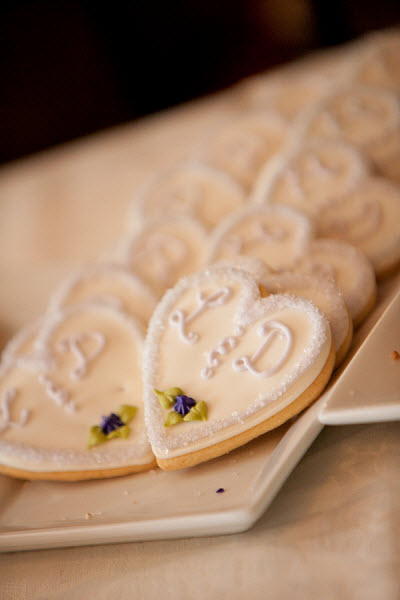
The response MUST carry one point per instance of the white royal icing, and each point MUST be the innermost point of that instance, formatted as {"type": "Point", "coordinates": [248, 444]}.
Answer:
{"type": "Point", "coordinates": [164, 250]}
{"type": "Point", "coordinates": [107, 284]}
{"type": "Point", "coordinates": [54, 440]}
{"type": "Point", "coordinates": [313, 176]}
{"type": "Point", "coordinates": [74, 344]}
{"type": "Point", "coordinates": [213, 358]}
{"type": "Point", "coordinates": [269, 330]}
{"type": "Point", "coordinates": [369, 218]}
{"type": "Point", "coordinates": [276, 234]}
{"type": "Point", "coordinates": [180, 321]}
{"type": "Point", "coordinates": [194, 190]}
{"type": "Point", "coordinates": [349, 268]}
{"type": "Point", "coordinates": [61, 396]}
{"type": "Point", "coordinates": [245, 144]}
{"type": "Point", "coordinates": [235, 400]}
{"type": "Point", "coordinates": [5, 404]}
{"type": "Point", "coordinates": [322, 292]}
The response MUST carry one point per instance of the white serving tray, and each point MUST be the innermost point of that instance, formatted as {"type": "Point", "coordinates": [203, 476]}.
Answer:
{"type": "Point", "coordinates": [160, 505]}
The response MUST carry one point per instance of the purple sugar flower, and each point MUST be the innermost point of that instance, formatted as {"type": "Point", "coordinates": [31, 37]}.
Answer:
{"type": "Point", "coordinates": [183, 404]}
{"type": "Point", "coordinates": [111, 423]}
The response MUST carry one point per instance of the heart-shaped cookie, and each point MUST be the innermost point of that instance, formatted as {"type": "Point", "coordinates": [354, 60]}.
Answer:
{"type": "Point", "coordinates": [244, 145]}
{"type": "Point", "coordinates": [193, 190]}
{"type": "Point", "coordinates": [348, 268]}
{"type": "Point", "coordinates": [313, 176]}
{"type": "Point", "coordinates": [368, 217]}
{"type": "Point", "coordinates": [108, 284]}
{"type": "Point", "coordinates": [365, 116]}
{"type": "Point", "coordinates": [278, 235]}
{"type": "Point", "coordinates": [164, 250]}
{"type": "Point", "coordinates": [86, 389]}
{"type": "Point", "coordinates": [325, 295]}
{"type": "Point", "coordinates": [223, 365]}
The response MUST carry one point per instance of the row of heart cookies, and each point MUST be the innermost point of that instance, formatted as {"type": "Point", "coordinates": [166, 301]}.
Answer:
{"type": "Point", "coordinates": [328, 180]}
{"type": "Point", "coordinates": [77, 365]}
{"type": "Point", "coordinates": [75, 377]}
{"type": "Point", "coordinates": [353, 95]}
{"type": "Point", "coordinates": [38, 354]}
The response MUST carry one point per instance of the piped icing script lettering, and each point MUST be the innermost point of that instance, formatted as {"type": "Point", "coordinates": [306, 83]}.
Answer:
{"type": "Point", "coordinates": [5, 405]}
{"type": "Point", "coordinates": [270, 330]}
{"type": "Point", "coordinates": [73, 344]}
{"type": "Point", "coordinates": [179, 319]}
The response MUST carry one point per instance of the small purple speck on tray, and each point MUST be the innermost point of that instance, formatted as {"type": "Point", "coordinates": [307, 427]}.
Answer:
{"type": "Point", "coordinates": [220, 491]}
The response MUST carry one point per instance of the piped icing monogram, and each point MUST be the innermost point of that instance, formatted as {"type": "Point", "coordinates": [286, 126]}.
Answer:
{"type": "Point", "coordinates": [180, 320]}
{"type": "Point", "coordinates": [163, 253]}
{"type": "Point", "coordinates": [74, 344]}
{"type": "Point", "coordinates": [276, 234]}
{"type": "Point", "coordinates": [192, 190]}
{"type": "Point", "coordinates": [93, 363]}
{"type": "Point", "coordinates": [5, 411]}
{"type": "Point", "coordinates": [269, 330]}
{"type": "Point", "coordinates": [245, 356]}
{"type": "Point", "coordinates": [313, 177]}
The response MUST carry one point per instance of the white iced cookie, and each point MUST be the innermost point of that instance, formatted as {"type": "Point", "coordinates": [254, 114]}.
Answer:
{"type": "Point", "coordinates": [164, 250]}
{"type": "Point", "coordinates": [111, 285]}
{"type": "Point", "coordinates": [348, 268]}
{"type": "Point", "coordinates": [379, 63]}
{"type": "Point", "coordinates": [288, 93]}
{"type": "Point", "coordinates": [278, 235]}
{"type": "Point", "coordinates": [249, 264]}
{"type": "Point", "coordinates": [369, 218]}
{"type": "Point", "coordinates": [312, 177]}
{"type": "Point", "coordinates": [325, 295]}
{"type": "Point", "coordinates": [246, 144]}
{"type": "Point", "coordinates": [51, 412]}
{"type": "Point", "coordinates": [367, 117]}
{"type": "Point", "coordinates": [194, 190]}
{"type": "Point", "coordinates": [223, 365]}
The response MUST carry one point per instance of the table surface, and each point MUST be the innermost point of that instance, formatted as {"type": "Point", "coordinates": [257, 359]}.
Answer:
{"type": "Point", "coordinates": [331, 532]}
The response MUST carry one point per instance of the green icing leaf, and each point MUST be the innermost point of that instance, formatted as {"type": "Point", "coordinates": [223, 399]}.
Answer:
{"type": "Point", "coordinates": [173, 418]}
{"type": "Point", "coordinates": [197, 412]}
{"type": "Point", "coordinates": [127, 412]}
{"type": "Point", "coordinates": [121, 432]}
{"type": "Point", "coordinates": [96, 436]}
{"type": "Point", "coordinates": [166, 400]}
{"type": "Point", "coordinates": [174, 392]}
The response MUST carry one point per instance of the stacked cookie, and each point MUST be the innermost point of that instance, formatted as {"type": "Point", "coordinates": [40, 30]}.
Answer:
{"type": "Point", "coordinates": [233, 293]}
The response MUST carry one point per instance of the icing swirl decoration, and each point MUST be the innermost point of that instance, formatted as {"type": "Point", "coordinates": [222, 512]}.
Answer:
{"type": "Point", "coordinates": [179, 320]}
{"type": "Point", "coordinates": [270, 330]}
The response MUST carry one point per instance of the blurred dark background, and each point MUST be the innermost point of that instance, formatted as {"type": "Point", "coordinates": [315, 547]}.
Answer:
{"type": "Point", "coordinates": [71, 68]}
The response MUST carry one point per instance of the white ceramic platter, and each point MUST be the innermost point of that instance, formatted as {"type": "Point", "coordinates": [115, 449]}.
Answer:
{"type": "Point", "coordinates": [160, 505]}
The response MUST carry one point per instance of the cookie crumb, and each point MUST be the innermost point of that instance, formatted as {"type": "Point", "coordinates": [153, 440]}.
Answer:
{"type": "Point", "coordinates": [395, 355]}
{"type": "Point", "coordinates": [220, 491]}
{"type": "Point", "coordinates": [88, 516]}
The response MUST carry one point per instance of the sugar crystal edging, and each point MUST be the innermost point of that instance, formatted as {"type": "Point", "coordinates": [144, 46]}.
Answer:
{"type": "Point", "coordinates": [364, 283]}
{"type": "Point", "coordinates": [134, 449]}
{"type": "Point", "coordinates": [272, 173]}
{"type": "Point", "coordinates": [136, 212]}
{"type": "Point", "coordinates": [338, 315]}
{"type": "Point", "coordinates": [251, 308]}
{"type": "Point", "coordinates": [103, 270]}
{"type": "Point", "coordinates": [252, 265]}
{"type": "Point", "coordinates": [303, 225]}
{"type": "Point", "coordinates": [323, 107]}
